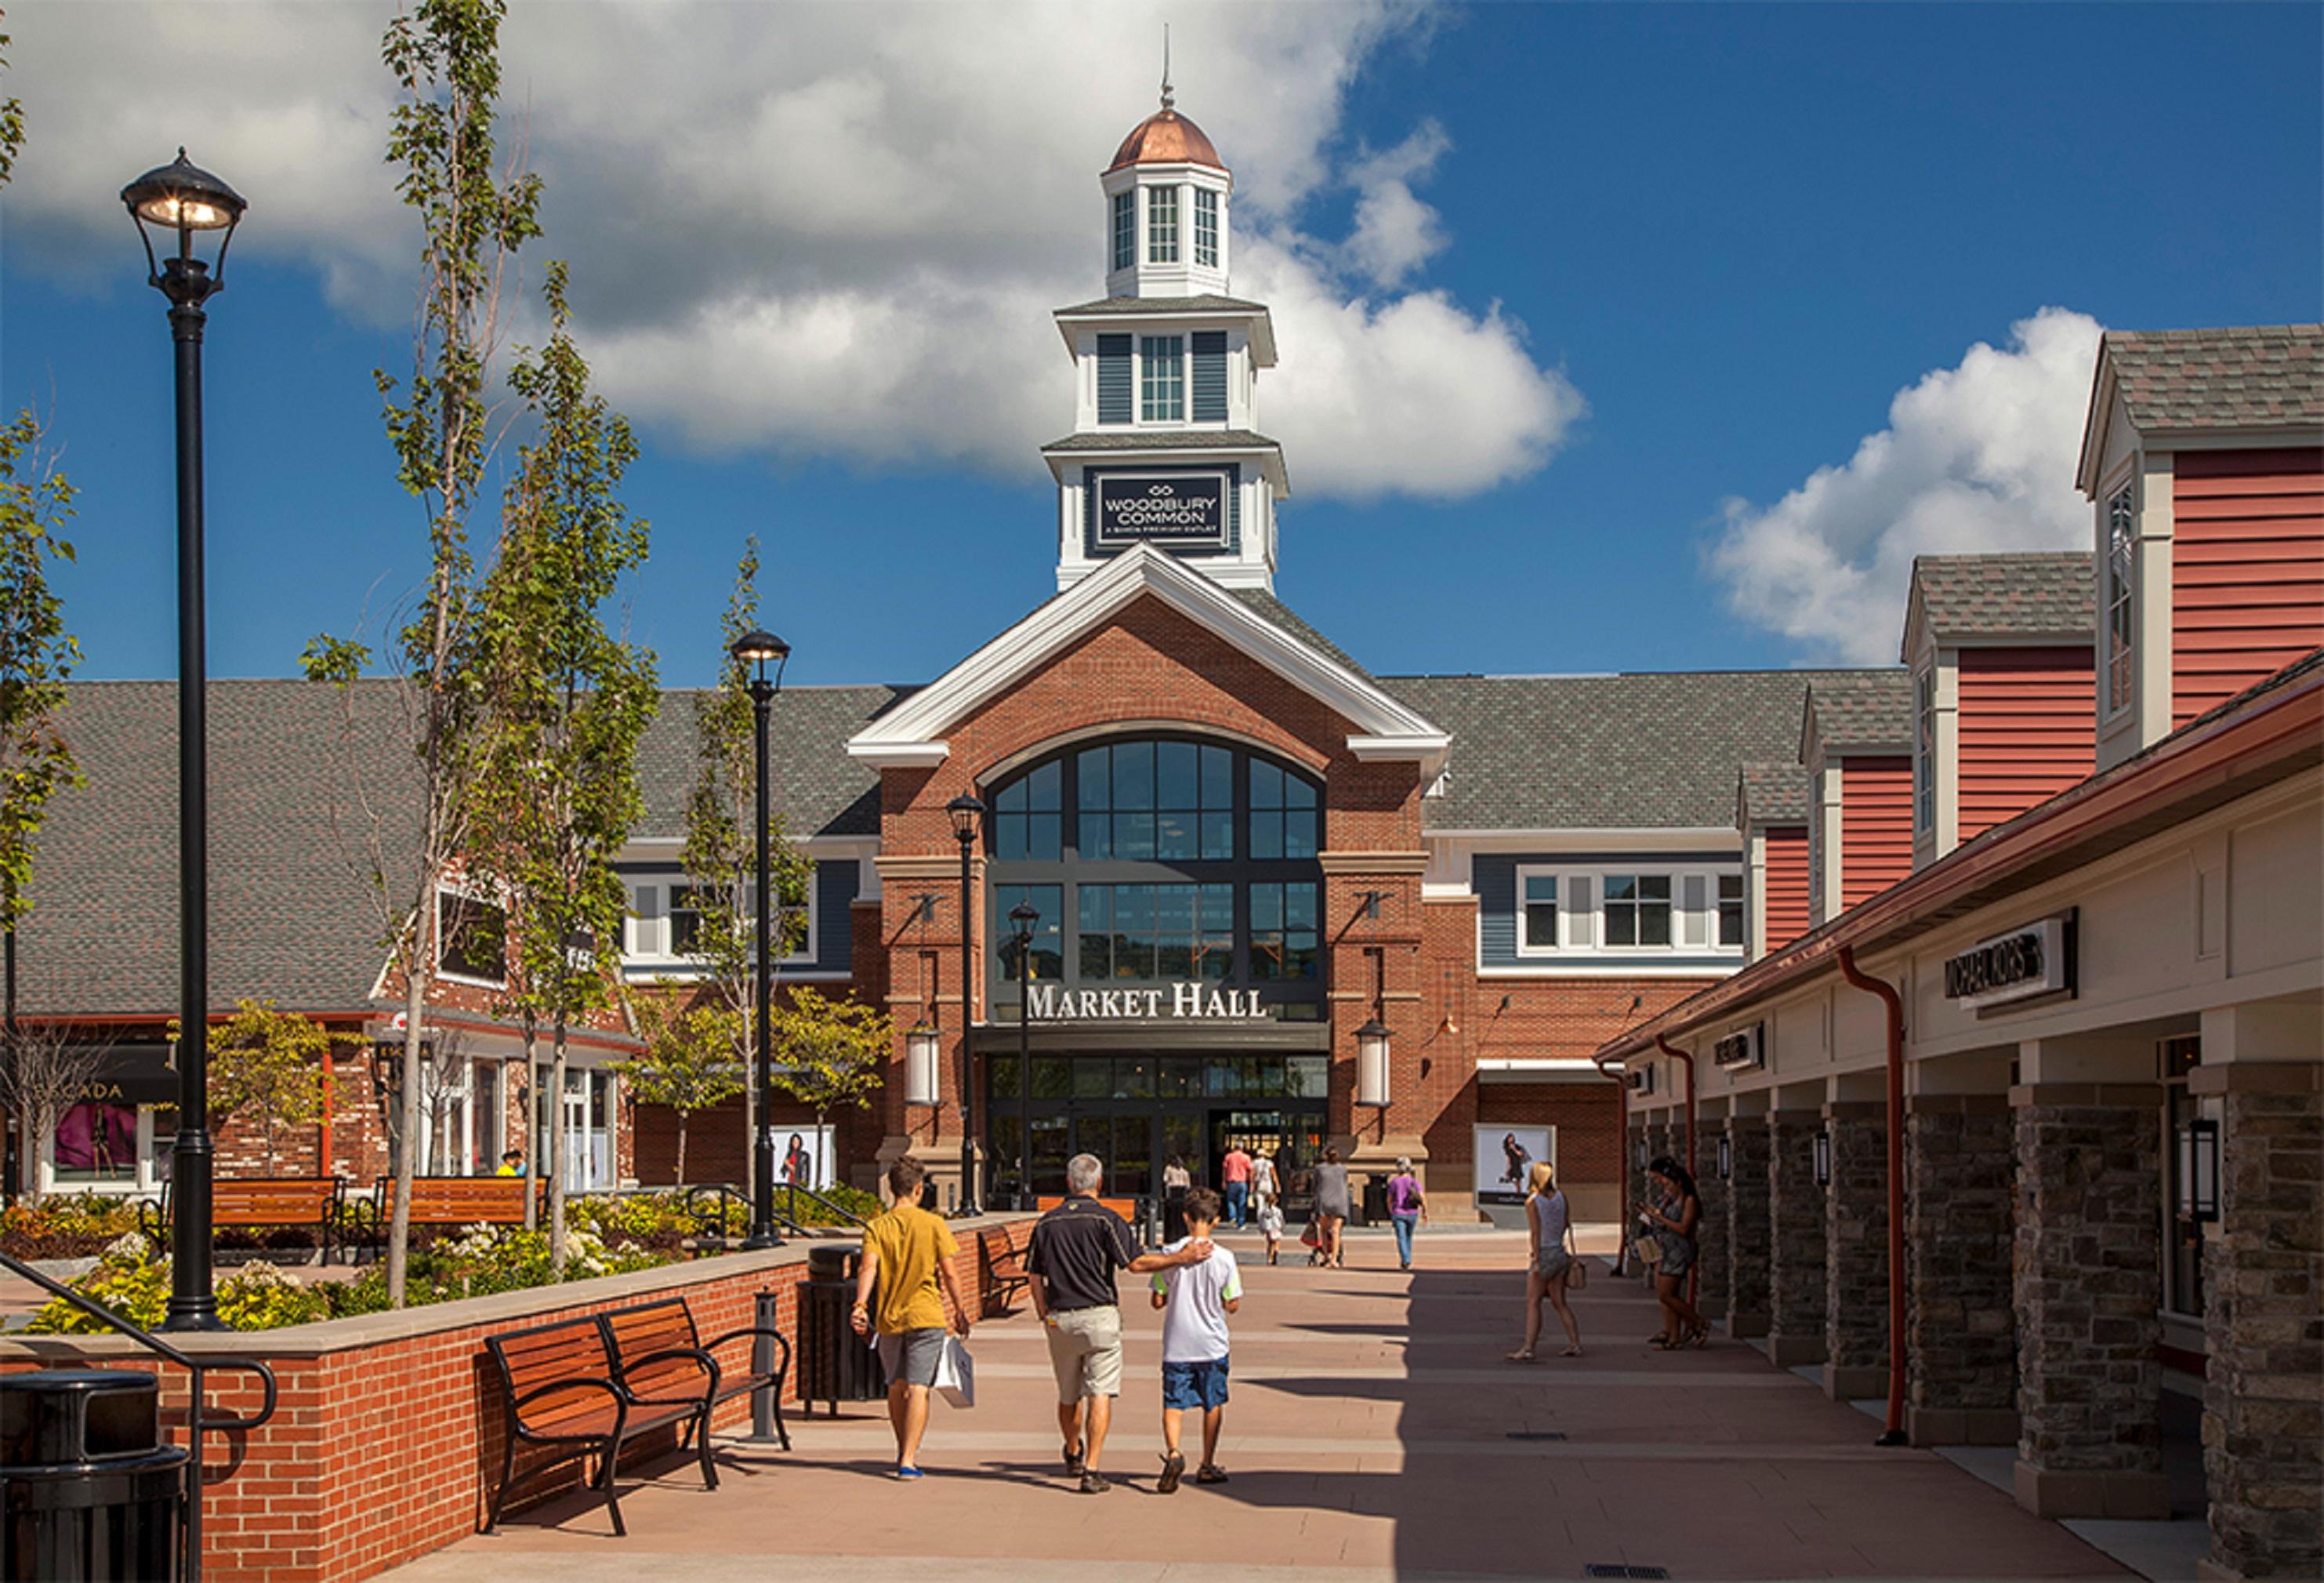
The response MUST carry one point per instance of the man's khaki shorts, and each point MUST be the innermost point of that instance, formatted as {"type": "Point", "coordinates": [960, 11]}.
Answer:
{"type": "Point", "coordinates": [1085, 1352]}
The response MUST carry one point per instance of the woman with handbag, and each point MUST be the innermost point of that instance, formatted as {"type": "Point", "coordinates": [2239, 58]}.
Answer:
{"type": "Point", "coordinates": [1551, 1263]}
{"type": "Point", "coordinates": [1670, 1223]}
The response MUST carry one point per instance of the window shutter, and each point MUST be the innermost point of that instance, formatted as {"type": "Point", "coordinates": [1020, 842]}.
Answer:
{"type": "Point", "coordinates": [1210, 376]}
{"type": "Point", "coordinates": [1114, 379]}
{"type": "Point", "coordinates": [1581, 910]}
{"type": "Point", "coordinates": [1693, 906]}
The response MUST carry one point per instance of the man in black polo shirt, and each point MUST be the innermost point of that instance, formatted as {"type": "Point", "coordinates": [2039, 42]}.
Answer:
{"type": "Point", "coordinates": [1078, 1248]}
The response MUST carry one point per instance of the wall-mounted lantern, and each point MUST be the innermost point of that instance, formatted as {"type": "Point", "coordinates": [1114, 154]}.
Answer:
{"type": "Point", "coordinates": [920, 1066]}
{"type": "Point", "coordinates": [2198, 1171]}
{"type": "Point", "coordinates": [1726, 1158]}
{"type": "Point", "coordinates": [1372, 1064]}
{"type": "Point", "coordinates": [1823, 1159]}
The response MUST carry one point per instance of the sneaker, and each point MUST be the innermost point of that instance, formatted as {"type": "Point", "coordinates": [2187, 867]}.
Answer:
{"type": "Point", "coordinates": [1074, 1465]}
{"type": "Point", "coordinates": [1210, 1473]}
{"type": "Point", "coordinates": [1093, 1482]}
{"type": "Point", "coordinates": [905, 1472]}
{"type": "Point", "coordinates": [1174, 1468]}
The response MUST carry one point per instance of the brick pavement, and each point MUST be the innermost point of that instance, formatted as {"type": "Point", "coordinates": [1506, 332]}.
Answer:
{"type": "Point", "coordinates": [1368, 1439]}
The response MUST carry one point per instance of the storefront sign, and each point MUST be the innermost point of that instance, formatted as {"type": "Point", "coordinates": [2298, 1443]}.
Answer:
{"type": "Point", "coordinates": [1180, 1002]}
{"type": "Point", "coordinates": [2022, 965]}
{"type": "Point", "coordinates": [132, 1074]}
{"type": "Point", "coordinates": [1744, 1047]}
{"type": "Point", "coordinates": [1161, 508]}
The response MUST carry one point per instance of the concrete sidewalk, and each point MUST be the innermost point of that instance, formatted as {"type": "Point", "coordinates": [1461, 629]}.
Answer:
{"type": "Point", "coordinates": [1374, 1434]}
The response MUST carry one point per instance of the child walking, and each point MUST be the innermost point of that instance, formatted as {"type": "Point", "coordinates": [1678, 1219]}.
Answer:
{"type": "Point", "coordinates": [1270, 1225]}
{"type": "Point", "coordinates": [1195, 1300]}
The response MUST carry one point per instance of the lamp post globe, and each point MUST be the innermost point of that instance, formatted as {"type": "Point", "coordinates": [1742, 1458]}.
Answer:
{"type": "Point", "coordinates": [186, 203]}
{"type": "Point", "coordinates": [967, 816]}
{"type": "Point", "coordinates": [753, 652]}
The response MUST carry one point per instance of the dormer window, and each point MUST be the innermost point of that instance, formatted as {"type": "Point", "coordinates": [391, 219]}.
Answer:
{"type": "Point", "coordinates": [1162, 379]}
{"type": "Point", "coordinates": [1162, 224]}
{"type": "Point", "coordinates": [1207, 228]}
{"type": "Point", "coordinates": [2118, 633]}
{"type": "Point", "coordinates": [1125, 229]}
{"type": "Point", "coordinates": [1924, 753]}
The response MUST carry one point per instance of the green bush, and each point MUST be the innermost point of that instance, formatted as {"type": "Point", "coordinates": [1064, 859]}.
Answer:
{"type": "Point", "coordinates": [65, 1226]}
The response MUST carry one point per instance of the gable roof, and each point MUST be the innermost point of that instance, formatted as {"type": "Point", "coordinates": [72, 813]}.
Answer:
{"type": "Point", "coordinates": [2030, 595]}
{"type": "Point", "coordinates": [815, 788]}
{"type": "Point", "coordinates": [2193, 380]}
{"type": "Point", "coordinates": [1768, 792]}
{"type": "Point", "coordinates": [1628, 752]}
{"type": "Point", "coordinates": [1384, 727]}
{"type": "Point", "coordinates": [1859, 709]}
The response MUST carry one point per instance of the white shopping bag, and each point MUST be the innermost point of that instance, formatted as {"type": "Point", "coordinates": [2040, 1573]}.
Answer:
{"type": "Point", "coordinates": [956, 1374]}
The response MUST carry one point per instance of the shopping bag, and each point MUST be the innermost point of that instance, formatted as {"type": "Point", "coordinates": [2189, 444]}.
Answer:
{"type": "Point", "coordinates": [956, 1374]}
{"type": "Point", "coordinates": [1312, 1236]}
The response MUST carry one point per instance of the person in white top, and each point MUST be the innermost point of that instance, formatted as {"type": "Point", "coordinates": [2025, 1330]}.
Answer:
{"type": "Point", "coordinates": [1549, 1260]}
{"type": "Point", "coordinates": [1195, 1299]}
{"type": "Point", "coordinates": [1262, 1181]}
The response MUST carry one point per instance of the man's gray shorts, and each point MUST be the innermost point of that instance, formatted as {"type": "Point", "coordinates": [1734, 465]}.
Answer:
{"type": "Point", "coordinates": [910, 1357]}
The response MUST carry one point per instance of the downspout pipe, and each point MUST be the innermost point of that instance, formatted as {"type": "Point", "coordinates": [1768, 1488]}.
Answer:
{"type": "Point", "coordinates": [1622, 1163]}
{"type": "Point", "coordinates": [1695, 1271]}
{"type": "Point", "coordinates": [1894, 1004]}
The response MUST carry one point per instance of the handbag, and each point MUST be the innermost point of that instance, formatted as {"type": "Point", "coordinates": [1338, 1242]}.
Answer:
{"type": "Point", "coordinates": [956, 1374]}
{"type": "Point", "coordinates": [1646, 1250]}
{"type": "Point", "coordinates": [1577, 1273]}
{"type": "Point", "coordinates": [1312, 1235]}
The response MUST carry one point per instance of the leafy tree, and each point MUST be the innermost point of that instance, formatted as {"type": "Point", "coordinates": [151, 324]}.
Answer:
{"type": "Point", "coordinates": [689, 1062]}
{"type": "Point", "coordinates": [830, 1052]}
{"type": "Point", "coordinates": [270, 1065]}
{"type": "Point", "coordinates": [444, 58]}
{"type": "Point", "coordinates": [565, 704]}
{"type": "Point", "coordinates": [720, 859]}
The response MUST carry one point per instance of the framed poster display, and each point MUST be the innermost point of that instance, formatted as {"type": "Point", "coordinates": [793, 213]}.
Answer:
{"type": "Point", "coordinates": [1504, 1158]}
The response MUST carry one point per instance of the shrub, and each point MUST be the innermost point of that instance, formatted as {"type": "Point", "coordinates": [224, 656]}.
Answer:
{"type": "Point", "coordinates": [65, 1226]}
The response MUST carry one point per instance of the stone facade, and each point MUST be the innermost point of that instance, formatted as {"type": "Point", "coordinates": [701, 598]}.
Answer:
{"type": "Point", "coordinates": [1855, 1251]}
{"type": "Point", "coordinates": [1749, 1234]}
{"type": "Point", "coordinates": [2089, 1289]}
{"type": "Point", "coordinates": [1795, 1243]}
{"type": "Point", "coordinates": [1960, 1330]}
{"type": "Point", "coordinates": [1711, 1231]}
{"type": "Point", "coordinates": [2263, 1419]}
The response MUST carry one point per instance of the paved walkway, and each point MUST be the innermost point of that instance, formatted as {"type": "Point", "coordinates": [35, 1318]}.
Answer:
{"type": "Point", "coordinates": [1372, 1437]}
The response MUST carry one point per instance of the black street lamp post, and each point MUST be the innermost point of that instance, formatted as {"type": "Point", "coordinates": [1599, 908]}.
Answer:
{"type": "Point", "coordinates": [182, 198]}
{"type": "Point", "coordinates": [1024, 915]}
{"type": "Point", "coordinates": [967, 818]}
{"type": "Point", "coordinates": [756, 648]}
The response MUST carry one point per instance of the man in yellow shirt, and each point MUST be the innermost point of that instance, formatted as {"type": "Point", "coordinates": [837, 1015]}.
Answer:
{"type": "Point", "coordinates": [907, 1254]}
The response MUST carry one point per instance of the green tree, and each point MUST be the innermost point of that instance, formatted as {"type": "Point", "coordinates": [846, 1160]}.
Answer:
{"type": "Point", "coordinates": [444, 58]}
{"type": "Point", "coordinates": [830, 1052]}
{"type": "Point", "coordinates": [269, 1065]}
{"type": "Point", "coordinates": [719, 857]}
{"type": "Point", "coordinates": [689, 1062]}
{"type": "Point", "coordinates": [565, 704]}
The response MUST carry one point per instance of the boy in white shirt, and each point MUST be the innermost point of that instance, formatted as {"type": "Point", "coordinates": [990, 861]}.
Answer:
{"type": "Point", "coordinates": [1195, 1300]}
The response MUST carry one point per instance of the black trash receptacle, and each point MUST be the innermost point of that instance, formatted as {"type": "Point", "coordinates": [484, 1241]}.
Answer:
{"type": "Point", "coordinates": [87, 1490]}
{"type": "Point", "coordinates": [1375, 1205]}
{"type": "Point", "coordinates": [835, 1364]}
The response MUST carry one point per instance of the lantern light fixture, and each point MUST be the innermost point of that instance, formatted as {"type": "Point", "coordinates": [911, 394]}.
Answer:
{"type": "Point", "coordinates": [920, 1066]}
{"type": "Point", "coordinates": [1371, 1065]}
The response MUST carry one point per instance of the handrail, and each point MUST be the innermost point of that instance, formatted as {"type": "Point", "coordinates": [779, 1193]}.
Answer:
{"type": "Point", "coordinates": [848, 1216]}
{"type": "Point", "coordinates": [198, 1416]}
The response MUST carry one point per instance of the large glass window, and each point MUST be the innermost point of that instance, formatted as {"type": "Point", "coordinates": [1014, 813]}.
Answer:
{"type": "Point", "coordinates": [1206, 227]}
{"type": "Point", "coordinates": [1028, 818]}
{"type": "Point", "coordinates": [1164, 933]}
{"type": "Point", "coordinates": [2120, 635]}
{"type": "Point", "coordinates": [1162, 224]}
{"type": "Point", "coordinates": [1283, 813]}
{"type": "Point", "coordinates": [1125, 229]}
{"type": "Point", "coordinates": [1637, 910]}
{"type": "Point", "coordinates": [1172, 802]}
{"type": "Point", "coordinates": [1538, 907]}
{"type": "Point", "coordinates": [472, 938]}
{"type": "Point", "coordinates": [1284, 939]}
{"type": "Point", "coordinates": [1162, 361]}
{"type": "Point", "coordinates": [1048, 932]}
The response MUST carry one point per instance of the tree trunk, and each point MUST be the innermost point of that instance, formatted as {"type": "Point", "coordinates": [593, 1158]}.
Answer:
{"type": "Point", "coordinates": [558, 1152]}
{"type": "Point", "coordinates": [407, 1139]}
{"type": "Point", "coordinates": [531, 1120]}
{"type": "Point", "coordinates": [681, 1148]}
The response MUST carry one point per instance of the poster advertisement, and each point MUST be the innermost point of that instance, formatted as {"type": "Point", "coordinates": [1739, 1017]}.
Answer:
{"type": "Point", "coordinates": [1505, 1155]}
{"type": "Point", "coordinates": [803, 1157]}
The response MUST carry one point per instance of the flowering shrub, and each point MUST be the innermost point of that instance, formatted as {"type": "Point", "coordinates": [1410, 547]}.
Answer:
{"type": "Point", "coordinates": [131, 1282]}
{"type": "Point", "coordinates": [65, 1226]}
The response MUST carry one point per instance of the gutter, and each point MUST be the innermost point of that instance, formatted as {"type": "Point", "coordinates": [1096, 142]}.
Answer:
{"type": "Point", "coordinates": [1894, 1004]}
{"type": "Point", "coordinates": [1695, 1271]}
{"type": "Point", "coordinates": [1622, 1172]}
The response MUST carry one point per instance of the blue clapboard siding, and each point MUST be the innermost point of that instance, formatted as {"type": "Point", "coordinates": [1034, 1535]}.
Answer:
{"type": "Point", "coordinates": [1210, 376]}
{"type": "Point", "coordinates": [1114, 379]}
{"type": "Point", "coordinates": [1493, 875]}
{"type": "Point", "coordinates": [835, 885]}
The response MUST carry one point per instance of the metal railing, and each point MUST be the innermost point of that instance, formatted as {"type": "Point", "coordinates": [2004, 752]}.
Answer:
{"type": "Point", "coordinates": [198, 1421]}
{"type": "Point", "coordinates": [842, 1215]}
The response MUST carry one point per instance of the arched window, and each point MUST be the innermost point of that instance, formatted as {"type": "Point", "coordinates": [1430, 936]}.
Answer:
{"type": "Point", "coordinates": [1161, 860]}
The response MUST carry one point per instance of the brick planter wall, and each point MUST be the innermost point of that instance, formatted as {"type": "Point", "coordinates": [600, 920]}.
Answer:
{"type": "Point", "coordinates": [1960, 1330]}
{"type": "Point", "coordinates": [1750, 1236]}
{"type": "Point", "coordinates": [1795, 1247]}
{"type": "Point", "coordinates": [388, 1431]}
{"type": "Point", "coordinates": [1855, 1251]}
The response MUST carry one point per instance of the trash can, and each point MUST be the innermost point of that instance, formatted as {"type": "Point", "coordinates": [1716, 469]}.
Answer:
{"type": "Point", "coordinates": [87, 1490]}
{"type": "Point", "coordinates": [835, 1364]}
{"type": "Point", "coordinates": [1374, 1209]}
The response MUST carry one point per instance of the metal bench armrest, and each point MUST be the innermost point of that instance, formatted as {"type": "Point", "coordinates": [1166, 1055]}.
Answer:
{"type": "Point", "coordinates": [781, 1340]}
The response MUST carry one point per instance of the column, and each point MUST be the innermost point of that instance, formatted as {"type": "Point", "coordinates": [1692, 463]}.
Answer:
{"type": "Point", "coordinates": [1749, 1235]}
{"type": "Point", "coordinates": [1795, 1251]}
{"type": "Point", "coordinates": [1960, 1167]}
{"type": "Point", "coordinates": [1639, 1143]}
{"type": "Point", "coordinates": [1856, 1251]}
{"type": "Point", "coordinates": [2089, 1286]}
{"type": "Point", "coordinates": [1711, 1231]}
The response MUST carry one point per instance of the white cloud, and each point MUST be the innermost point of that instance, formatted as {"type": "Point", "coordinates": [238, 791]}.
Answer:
{"type": "Point", "coordinates": [1977, 458]}
{"type": "Point", "coordinates": [826, 230]}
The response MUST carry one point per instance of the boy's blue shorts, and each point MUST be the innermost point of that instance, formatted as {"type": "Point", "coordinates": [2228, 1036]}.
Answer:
{"type": "Point", "coordinates": [1190, 1387]}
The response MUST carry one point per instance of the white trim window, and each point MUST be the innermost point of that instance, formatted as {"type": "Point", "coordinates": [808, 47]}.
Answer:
{"type": "Point", "coordinates": [1536, 911]}
{"type": "Point", "coordinates": [1730, 936]}
{"type": "Point", "coordinates": [2118, 629]}
{"type": "Point", "coordinates": [1162, 379]}
{"type": "Point", "coordinates": [1637, 910]}
{"type": "Point", "coordinates": [665, 915]}
{"type": "Point", "coordinates": [1207, 228]}
{"type": "Point", "coordinates": [1125, 229]}
{"type": "Point", "coordinates": [1924, 752]}
{"type": "Point", "coordinates": [471, 937]}
{"type": "Point", "coordinates": [1161, 224]}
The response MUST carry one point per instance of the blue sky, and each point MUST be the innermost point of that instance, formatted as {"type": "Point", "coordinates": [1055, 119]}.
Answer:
{"type": "Point", "coordinates": [1736, 232]}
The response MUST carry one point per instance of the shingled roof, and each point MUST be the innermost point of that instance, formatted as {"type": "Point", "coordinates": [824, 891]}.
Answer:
{"type": "Point", "coordinates": [1768, 791]}
{"type": "Point", "coordinates": [1109, 440]}
{"type": "Point", "coordinates": [1628, 752]}
{"type": "Point", "coordinates": [2250, 376]}
{"type": "Point", "coordinates": [817, 789]}
{"type": "Point", "coordinates": [1143, 305]}
{"type": "Point", "coordinates": [2040, 594]}
{"type": "Point", "coordinates": [1859, 709]}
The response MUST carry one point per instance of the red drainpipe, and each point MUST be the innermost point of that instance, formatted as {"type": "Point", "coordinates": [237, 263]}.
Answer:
{"type": "Point", "coordinates": [1622, 1165]}
{"type": "Point", "coordinates": [1895, 1433]}
{"type": "Point", "coordinates": [1694, 1272]}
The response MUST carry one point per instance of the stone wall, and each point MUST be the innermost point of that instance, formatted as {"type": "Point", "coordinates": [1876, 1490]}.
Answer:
{"type": "Point", "coordinates": [1960, 1330]}
{"type": "Point", "coordinates": [1795, 1243]}
{"type": "Point", "coordinates": [1711, 1231]}
{"type": "Point", "coordinates": [1750, 1238]}
{"type": "Point", "coordinates": [1855, 1251]}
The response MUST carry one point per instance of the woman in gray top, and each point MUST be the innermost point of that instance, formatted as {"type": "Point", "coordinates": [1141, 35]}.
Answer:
{"type": "Point", "coordinates": [1672, 1223]}
{"type": "Point", "coordinates": [1331, 1206]}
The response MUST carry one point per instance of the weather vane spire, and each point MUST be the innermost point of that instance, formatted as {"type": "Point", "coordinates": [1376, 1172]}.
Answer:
{"type": "Point", "coordinates": [1166, 66]}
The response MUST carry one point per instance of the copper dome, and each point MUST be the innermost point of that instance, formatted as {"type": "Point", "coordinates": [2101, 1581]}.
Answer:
{"type": "Point", "coordinates": [1166, 138]}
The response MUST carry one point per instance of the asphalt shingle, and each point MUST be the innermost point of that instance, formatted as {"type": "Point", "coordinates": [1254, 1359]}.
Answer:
{"type": "Point", "coordinates": [1207, 304]}
{"type": "Point", "coordinates": [1770, 792]}
{"type": "Point", "coordinates": [2001, 595]}
{"type": "Point", "coordinates": [1861, 709]}
{"type": "Point", "coordinates": [1161, 439]}
{"type": "Point", "coordinates": [2250, 376]}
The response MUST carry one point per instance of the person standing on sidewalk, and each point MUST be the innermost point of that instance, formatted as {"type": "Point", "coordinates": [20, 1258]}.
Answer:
{"type": "Point", "coordinates": [1549, 1258]}
{"type": "Point", "coordinates": [1332, 1207]}
{"type": "Point", "coordinates": [1195, 1300]}
{"type": "Point", "coordinates": [1672, 1223]}
{"type": "Point", "coordinates": [1405, 1207]}
{"type": "Point", "coordinates": [907, 1257]}
{"type": "Point", "coordinates": [1077, 1249]}
{"type": "Point", "coordinates": [1234, 1170]}
{"type": "Point", "coordinates": [1264, 1189]}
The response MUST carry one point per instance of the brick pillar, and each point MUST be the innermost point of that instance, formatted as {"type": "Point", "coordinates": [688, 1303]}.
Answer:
{"type": "Point", "coordinates": [2263, 1287]}
{"type": "Point", "coordinates": [1795, 1249]}
{"type": "Point", "coordinates": [2089, 1263]}
{"type": "Point", "coordinates": [1856, 1251]}
{"type": "Point", "coordinates": [1750, 1236]}
{"type": "Point", "coordinates": [1710, 1234]}
{"type": "Point", "coordinates": [1961, 1169]}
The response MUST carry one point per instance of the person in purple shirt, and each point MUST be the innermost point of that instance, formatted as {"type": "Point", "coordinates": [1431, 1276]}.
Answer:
{"type": "Point", "coordinates": [1407, 1207]}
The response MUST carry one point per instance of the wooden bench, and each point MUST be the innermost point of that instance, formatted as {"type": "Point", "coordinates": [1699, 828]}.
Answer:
{"type": "Point", "coordinates": [1004, 1268]}
{"type": "Point", "coordinates": [557, 1385]}
{"type": "Point", "coordinates": [319, 1202]}
{"type": "Point", "coordinates": [660, 1360]}
{"type": "Point", "coordinates": [446, 1201]}
{"type": "Point", "coordinates": [1125, 1208]}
